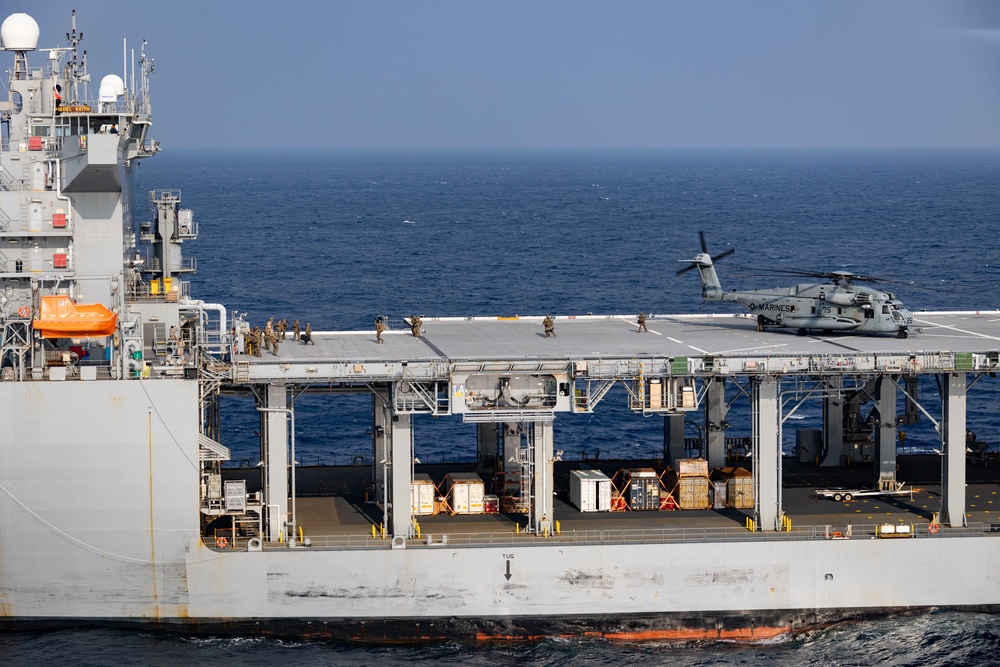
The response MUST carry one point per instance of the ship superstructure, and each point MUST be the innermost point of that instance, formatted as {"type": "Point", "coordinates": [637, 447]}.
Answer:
{"type": "Point", "coordinates": [115, 505]}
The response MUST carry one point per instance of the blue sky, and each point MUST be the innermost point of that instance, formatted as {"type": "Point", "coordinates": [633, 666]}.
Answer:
{"type": "Point", "coordinates": [557, 74]}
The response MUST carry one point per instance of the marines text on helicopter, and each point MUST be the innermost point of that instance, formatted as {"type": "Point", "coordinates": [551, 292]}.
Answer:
{"type": "Point", "coordinates": [835, 306]}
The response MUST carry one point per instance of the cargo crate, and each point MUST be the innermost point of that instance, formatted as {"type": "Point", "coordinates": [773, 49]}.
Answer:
{"type": "Point", "coordinates": [690, 493]}
{"type": "Point", "coordinates": [422, 494]}
{"type": "Point", "coordinates": [643, 489]}
{"type": "Point", "coordinates": [739, 486]}
{"type": "Point", "coordinates": [590, 490]}
{"type": "Point", "coordinates": [465, 492]}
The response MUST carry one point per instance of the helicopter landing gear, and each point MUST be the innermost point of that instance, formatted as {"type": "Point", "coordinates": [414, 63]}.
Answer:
{"type": "Point", "coordinates": [800, 332]}
{"type": "Point", "coordinates": [901, 333]}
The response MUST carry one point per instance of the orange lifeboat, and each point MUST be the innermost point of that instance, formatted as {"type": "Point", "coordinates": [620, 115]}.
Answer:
{"type": "Point", "coordinates": [61, 317]}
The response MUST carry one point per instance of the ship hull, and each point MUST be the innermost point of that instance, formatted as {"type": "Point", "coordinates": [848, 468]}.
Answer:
{"type": "Point", "coordinates": [99, 525]}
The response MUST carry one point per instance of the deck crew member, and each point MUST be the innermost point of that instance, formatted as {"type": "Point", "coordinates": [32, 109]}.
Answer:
{"type": "Point", "coordinates": [296, 331]}
{"type": "Point", "coordinates": [415, 322]}
{"type": "Point", "coordinates": [282, 328]}
{"type": "Point", "coordinates": [379, 328]}
{"type": "Point", "coordinates": [550, 326]}
{"type": "Point", "coordinates": [642, 323]}
{"type": "Point", "coordinates": [307, 335]}
{"type": "Point", "coordinates": [258, 338]}
{"type": "Point", "coordinates": [268, 333]}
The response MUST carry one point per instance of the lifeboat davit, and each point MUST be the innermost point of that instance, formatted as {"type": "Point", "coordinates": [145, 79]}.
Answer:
{"type": "Point", "coordinates": [61, 317]}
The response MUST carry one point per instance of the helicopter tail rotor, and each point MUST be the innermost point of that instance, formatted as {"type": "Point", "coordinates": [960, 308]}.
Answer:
{"type": "Point", "coordinates": [711, 289]}
{"type": "Point", "coordinates": [700, 259]}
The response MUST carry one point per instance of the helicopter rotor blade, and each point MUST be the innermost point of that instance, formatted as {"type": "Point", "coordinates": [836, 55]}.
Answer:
{"type": "Point", "coordinates": [686, 269]}
{"type": "Point", "coordinates": [725, 253]}
{"type": "Point", "coordinates": [704, 244]}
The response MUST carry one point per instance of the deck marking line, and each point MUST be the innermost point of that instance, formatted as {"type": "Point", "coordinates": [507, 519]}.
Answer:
{"type": "Point", "coordinates": [634, 324]}
{"type": "Point", "coordinates": [946, 326]}
{"type": "Point", "coordinates": [433, 347]}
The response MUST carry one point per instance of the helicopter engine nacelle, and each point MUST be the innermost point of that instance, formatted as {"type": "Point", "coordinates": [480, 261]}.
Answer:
{"type": "Point", "coordinates": [841, 298]}
{"type": "Point", "coordinates": [861, 300]}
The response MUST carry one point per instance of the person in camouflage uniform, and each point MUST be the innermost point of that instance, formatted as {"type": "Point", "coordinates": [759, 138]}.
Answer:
{"type": "Point", "coordinates": [550, 326]}
{"type": "Point", "coordinates": [415, 322]}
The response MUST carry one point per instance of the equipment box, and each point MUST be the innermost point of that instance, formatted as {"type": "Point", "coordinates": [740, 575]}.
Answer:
{"type": "Point", "coordinates": [643, 489]}
{"type": "Point", "coordinates": [590, 490]}
{"type": "Point", "coordinates": [691, 493]}
{"type": "Point", "coordinates": [739, 486]}
{"type": "Point", "coordinates": [422, 494]}
{"type": "Point", "coordinates": [465, 492]}
{"type": "Point", "coordinates": [491, 504]}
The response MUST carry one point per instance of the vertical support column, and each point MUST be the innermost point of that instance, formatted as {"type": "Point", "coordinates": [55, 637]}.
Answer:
{"type": "Point", "coordinates": [885, 429]}
{"type": "Point", "coordinates": [953, 447]}
{"type": "Point", "coordinates": [673, 437]}
{"type": "Point", "coordinates": [541, 511]}
{"type": "Point", "coordinates": [401, 471]}
{"type": "Point", "coordinates": [766, 453]}
{"type": "Point", "coordinates": [715, 417]}
{"type": "Point", "coordinates": [833, 423]}
{"type": "Point", "coordinates": [276, 460]}
{"type": "Point", "coordinates": [381, 451]}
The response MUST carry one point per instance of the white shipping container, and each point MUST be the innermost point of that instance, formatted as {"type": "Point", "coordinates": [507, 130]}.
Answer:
{"type": "Point", "coordinates": [465, 493]}
{"type": "Point", "coordinates": [422, 494]}
{"type": "Point", "coordinates": [590, 490]}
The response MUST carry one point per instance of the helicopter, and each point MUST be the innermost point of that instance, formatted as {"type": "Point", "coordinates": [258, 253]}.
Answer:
{"type": "Point", "coordinates": [835, 306]}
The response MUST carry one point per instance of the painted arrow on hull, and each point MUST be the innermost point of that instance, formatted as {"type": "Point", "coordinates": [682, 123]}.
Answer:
{"type": "Point", "coordinates": [507, 574]}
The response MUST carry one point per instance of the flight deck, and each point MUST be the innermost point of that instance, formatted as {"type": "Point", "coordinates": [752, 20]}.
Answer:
{"type": "Point", "coordinates": [509, 378]}
{"type": "Point", "coordinates": [594, 337]}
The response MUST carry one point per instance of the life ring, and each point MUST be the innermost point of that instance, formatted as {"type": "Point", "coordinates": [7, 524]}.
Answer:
{"type": "Point", "coordinates": [359, 460]}
{"type": "Point", "coordinates": [23, 311]}
{"type": "Point", "coordinates": [933, 528]}
{"type": "Point", "coordinates": [836, 535]}
{"type": "Point", "coordinates": [222, 542]}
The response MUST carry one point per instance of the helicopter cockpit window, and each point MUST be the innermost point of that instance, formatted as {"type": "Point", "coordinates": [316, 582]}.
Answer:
{"type": "Point", "coordinates": [885, 310]}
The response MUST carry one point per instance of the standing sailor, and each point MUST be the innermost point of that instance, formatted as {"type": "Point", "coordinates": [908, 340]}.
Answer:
{"type": "Point", "coordinates": [296, 330]}
{"type": "Point", "coordinates": [379, 328]}
{"type": "Point", "coordinates": [258, 338]}
{"type": "Point", "coordinates": [415, 322]}
{"type": "Point", "coordinates": [307, 335]}
{"type": "Point", "coordinates": [642, 323]}
{"type": "Point", "coordinates": [550, 326]}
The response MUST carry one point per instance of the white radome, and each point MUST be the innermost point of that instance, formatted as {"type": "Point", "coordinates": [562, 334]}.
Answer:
{"type": "Point", "coordinates": [113, 82]}
{"type": "Point", "coordinates": [19, 32]}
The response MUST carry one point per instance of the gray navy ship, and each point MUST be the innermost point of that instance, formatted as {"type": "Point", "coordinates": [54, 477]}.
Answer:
{"type": "Point", "coordinates": [118, 507]}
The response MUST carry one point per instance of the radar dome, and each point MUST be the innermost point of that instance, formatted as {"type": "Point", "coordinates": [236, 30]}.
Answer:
{"type": "Point", "coordinates": [113, 82]}
{"type": "Point", "coordinates": [19, 32]}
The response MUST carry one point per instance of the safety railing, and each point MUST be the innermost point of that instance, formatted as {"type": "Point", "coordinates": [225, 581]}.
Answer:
{"type": "Point", "coordinates": [634, 536]}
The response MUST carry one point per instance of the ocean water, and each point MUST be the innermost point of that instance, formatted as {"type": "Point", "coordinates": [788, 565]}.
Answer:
{"type": "Point", "coordinates": [335, 239]}
{"type": "Point", "coordinates": [338, 238]}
